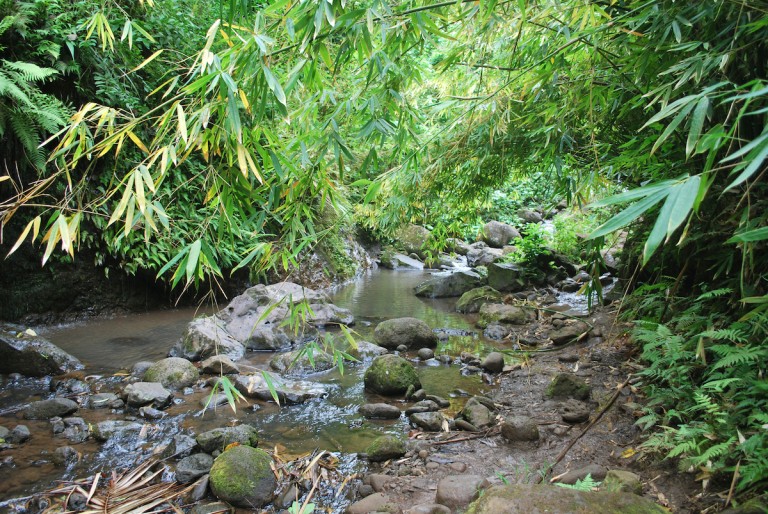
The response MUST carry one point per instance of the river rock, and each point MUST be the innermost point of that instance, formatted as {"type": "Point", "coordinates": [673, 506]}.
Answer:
{"type": "Point", "coordinates": [529, 216]}
{"type": "Point", "coordinates": [76, 430]}
{"type": "Point", "coordinates": [104, 400]}
{"type": "Point", "coordinates": [193, 467]}
{"type": "Point", "coordinates": [390, 375]}
{"type": "Point", "coordinates": [220, 438]}
{"type": "Point", "coordinates": [429, 421]}
{"type": "Point", "coordinates": [65, 456]}
{"type": "Point", "coordinates": [458, 491]}
{"type": "Point", "coordinates": [47, 409]}
{"type": "Point", "coordinates": [289, 392]}
{"type": "Point", "coordinates": [520, 428]}
{"type": "Point", "coordinates": [574, 411]}
{"type": "Point", "coordinates": [410, 332]}
{"type": "Point", "coordinates": [211, 508]}
{"type": "Point", "coordinates": [379, 411]}
{"type": "Point", "coordinates": [458, 246]}
{"type": "Point", "coordinates": [622, 481]}
{"type": "Point", "coordinates": [385, 447]}
{"type": "Point", "coordinates": [377, 502]}
{"type": "Point", "coordinates": [425, 354]}
{"type": "Point", "coordinates": [494, 362]}
{"type": "Point", "coordinates": [428, 508]}
{"type": "Point", "coordinates": [497, 234]}
{"type": "Point", "coordinates": [116, 429]}
{"type": "Point", "coordinates": [444, 285]}
{"type": "Point", "coordinates": [506, 276]}
{"type": "Point", "coordinates": [400, 261]}
{"type": "Point", "coordinates": [173, 373]}
{"type": "Point", "coordinates": [139, 394]}
{"type": "Point", "coordinates": [472, 300]}
{"type": "Point", "coordinates": [501, 313]}
{"type": "Point", "coordinates": [242, 476]}
{"type": "Point", "coordinates": [480, 254]}
{"type": "Point", "coordinates": [299, 362]}
{"type": "Point", "coordinates": [219, 365]}
{"type": "Point", "coordinates": [205, 337]}
{"type": "Point", "coordinates": [140, 368]}
{"type": "Point", "coordinates": [566, 385]}
{"type": "Point", "coordinates": [496, 331]}
{"type": "Point", "coordinates": [411, 239]}
{"type": "Point", "coordinates": [180, 446]}
{"type": "Point", "coordinates": [517, 498]}
{"type": "Point", "coordinates": [477, 414]}
{"type": "Point", "coordinates": [4, 432]}
{"type": "Point", "coordinates": [20, 434]}
{"type": "Point", "coordinates": [596, 471]}
{"type": "Point", "coordinates": [24, 352]}
{"type": "Point", "coordinates": [366, 350]}
{"type": "Point", "coordinates": [422, 406]}
{"type": "Point", "coordinates": [568, 332]}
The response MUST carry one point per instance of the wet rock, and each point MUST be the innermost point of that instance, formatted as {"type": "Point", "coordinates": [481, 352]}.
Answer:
{"type": "Point", "coordinates": [565, 385]}
{"type": "Point", "coordinates": [429, 421]}
{"type": "Point", "coordinates": [140, 368]}
{"type": "Point", "coordinates": [116, 429]}
{"type": "Point", "coordinates": [445, 285]}
{"type": "Point", "coordinates": [57, 425]}
{"type": "Point", "coordinates": [24, 352]}
{"type": "Point", "coordinates": [411, 238]}
{"type": "Point", "coordinates": [385, 447]}
{"type": "Point", "coordinates": [477, 414]}
{"type": "Point", "coordinates": [501, 313]}
{"type": "Point", "coordinates": [568, 285]}
{"type": "Point", "coordinates": [242, 476]}
{"type": "Point", "coordinates": [377, 481]}
{"type": "Point", "coordinates": [180, 446]}
{"type": "Point", "coordinates": [506, 276]}
{"type": "Point", "coordinates": [299, 362]}
{"type": "Point", "coordinates": [219, 365]}
{"type": "Point", "coordinates": [481, 255]}
{"type": "Point", "coordinates": [422, 406]}
{"type": "Point", "coordinates": [498, 234]}
{"type": "Point", "coordinates": [390, 375]}
{"type": "Point", "coordinates": [173, 373]}
{"type": "Point", "coordinates": [462, 424]}
{"type": "Point", "coordinates": [496, 331]}
{"type": "Point", "coordinates": [139, 394]}
{"type": "Point", "coordinates": [400, 261]}
{"type": "Point", "coordinates": [4, 432]}
{"type": "Point", "coordinates": [457, 246]}
{"type": "Point", "coordinates": [205, 337]}
{"type": "Point", "coordinates": [20, 434]}
{"type": "Point", "coordinates": [428, 508]}
{"type": "Point", "coordinates": [150, 413]}
{"type": "Point", "coordinates": [193, 467]}
{"type": "Point", "coordinates": [365, 349]}
{"type": "Point", "coordinates": [568, 332]}
{"type": "Point", "coordinates": [458, 491]}
{"type": "Point", "coordinates": [520, 428]}
{"type": "Point", "coordinates": [65, 456]}
{"type": "Point", "coordinates": [425, 354]}
{"type": "Point", "coordinates": [67, 386]}
{"type": "Point", "coordinates": [77, 502]}
{"type": "Point", "coordinates": [103, 401]}
{"type": "Point", "coordinates": [622, 481]}
{"type": "Point", "coordinates": [494, 362]}
{"type": "Point", "coordinates": [415, 395]}
{"type": "Point", "coordinates": [513, 499]}
{"type": "Point", "coordinates": [197, 491]}
{"type": "Point", "coordinates": [213, 401]}
{"type": "Point", "coordinates": [47, 409]}
{"type": "Point", "coordinates": [286, 499]}
{"type": "Point", "coordinates": [574, 411]}
{"type": "Point", "coordinates": [220, 438]}
{"type": "Point", "coordinates": [439, 400]}
{"type": "Point", "coordinates": [211, 508]}
{"type": "Point", "coordinates": [472, 300]}
{"type": "Point", "coordinates": [76, 430]}
{"type": "Point", "coordinates": [410, 332]}
{"type": "Point", "coordinates": [377, 502]}
{"type": "Point", "coordinates": [596, 471]}
{"type": "Point", "coordinates": [289, 392]}
{"type": "Point", "coordinates": [379, 411]}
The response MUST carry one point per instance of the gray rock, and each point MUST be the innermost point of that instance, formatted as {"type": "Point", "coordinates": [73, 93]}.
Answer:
{"type": "Point", "coordinates": [494, 362]}
{"type": "Point", "coordinates": [520, 428]}
{"type": "Point", "coordinates": [449, 284]}
{"type": "Point", "coordinates": [481, 255]}
{"type": "Point", "coordinates": [20, 434]}
{"type": "Point", "coordinates": [596, 471]}
{"type": "Point", "coordinates": [477, 414]}
{"type": "Point", "coordinates": [103, 401]}
{"type": "Point", "coordinates": [529, 216]}
{"type": "Point", "coordinates": [4, 432]}
{"type": "Point", "coordinates": [458, 491]}
{"type": "Point", "coordinates": [410, 332]}
{"type": "Point", "coordinates": [377, 481]}
{"type": "Point", "coordinates": [180, 446]}
{"type": "Point", "coordinates": [622, 481]}
{"type": "Point", "coordinates": [286, 499]}
{"type": "Point", "coordinates": [428, 508]}
{"type": "Point", "coordinates": [298, 362]}
{"type": "Point", "coordinates": [439, 400]}
{"type": "Point", "coordinates": [147, 412]}
{"type": "Point", "coordinates": [377, 502]}
{"type": "Point", "coordinates": [366, 350]}
{"type": "Point", "coordinates": [426, 353]}
{"type": "Point", "coordinates": [458, 246]}
{"type": "Point", "coordinates": [501, 313]}
{"type": "Point", "coordinates": [400, 261]}
{"type": "Point", "coordinates": [429, 421]}
{"type": "Point", "coordinates": [411, 239]}
{"type": "Point", "coordinates": [566, 385]}
{"type": "Point", "coordinates": [65, 456]}
{"type": "Point", "coordinates": [77, 502]}
{"type": "Point", "coordinates": [385, 447]}
{"type": "Point", "coordinates": [498, 234]}
{"type": "Point", "coordinates": [422, 406]}
{"type": "Point", "coordinates": [379, 411]}
{"type": "Point", "coordinates": [568, 332]}
{"type": "Point", "coordinates": [193, 467]}
{"type": "Point", "coordinates": [519, 498]}
{"type": "Point", "coordinates": [47, 409]}
{"type": "Point", "coordinates": [116, 429]}
{"type": "Point", "coordinates": [219, 365]}
{"type": "Point", "coordinates": [205, 337]}
{"type": "Point", "coordinates": [76, 430]}
{"type": "Point", "coordinates": [574, 411]}
{"type": "Point", "coordinates": [140, 368]}
{"type": "Point", "coordinates": [472, 300]}
{"type": "Point", "coordinates": [496, 331]}
{"type": "Point", "coordinates": [242, 476]}
{"type": "Point", "coordinates": [504, 276]}
{"type": "Point", "coordinates": [219, 438]}
{"type": "Point", "coordinates": [211, 508]}
{"type": "Point", "coordinates": [289, 392]}
{"type": "Point", "coordinates": [31, 355]}
{"type": "Point", "coordinates": [173, 373]}
{"type": "Point", "coordinates": [139, 394]}
{"type": "Point", "coordinates": [390, 375]}
{"type": "Point", "coordinates": [462, 424]}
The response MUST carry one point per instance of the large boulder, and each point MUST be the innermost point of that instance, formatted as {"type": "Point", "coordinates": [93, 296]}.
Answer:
{"type": "Point", "coordinates": [173, 373]}
{"type": "Point", "coordinates": [206, 337]}
{"type": "Point", "coordinates": [497, 234]}
{"type": "Point", "coordinates": [219, 438]}
{"type": "Point", "coordinates": [472, 300]}
{"type": "Point", "coordinates": [47, 409]}
{"type": "Point", "coordinates": [480, 254]}
{"type": "Point", "coordinates": [501, 313]}
{"type": "Point", "coordinates": [243, 477]}
{"type": "Point", "coordinates": [411, 239]}
{"type": "Point", "coordinates": [445, 285]}
{"type": "Point", "coordinates": [506, 276]}
{"type": "Point", "coordinates": [289, 392]}
{"type": "Point", "coordinates": [400, 261]}
{"type": "Point", "coordinates": [410, 332]}
{"type": "Point", "coordinates": [520, 498]}
{"type": "Point", "coordinates": [391, 375]}
{"type": "Point", "coordinates": [26, 353]}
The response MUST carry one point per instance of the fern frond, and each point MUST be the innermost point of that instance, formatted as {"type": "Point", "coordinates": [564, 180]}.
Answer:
{"type": "Point", "coordinates": [30, 72]}
{"type": "Point", "coordinates": [9, 87]}
{"type": "Point", "coordinates": [725, 334]}
{"type": "Point", "coordinates": [715, 293]}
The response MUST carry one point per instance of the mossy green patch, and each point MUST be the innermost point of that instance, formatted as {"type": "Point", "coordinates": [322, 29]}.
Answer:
{"type": "Point", "coordinates": [243, 477]}
{"type": "Point", "coordinates": [384, 448]}
{"type": "Point", "coordinates": [391, 374]}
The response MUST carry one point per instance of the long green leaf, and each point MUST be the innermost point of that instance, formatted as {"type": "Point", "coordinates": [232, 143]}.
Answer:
{"type": "Point", "coordinates": [628, 215]}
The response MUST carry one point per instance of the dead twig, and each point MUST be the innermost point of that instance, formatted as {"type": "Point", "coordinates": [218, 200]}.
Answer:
{"type": "Point", "coordinates": [490, 431]}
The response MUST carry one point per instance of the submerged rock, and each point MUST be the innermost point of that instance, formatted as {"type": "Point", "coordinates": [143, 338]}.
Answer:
{"type": "Point", "coordinates": [391, 375]}
{"type": "Point", "coordinates": [243, 477]}
{"type": "Point", "coordinates": [411, 332]}
{"type": "Point", "coordinates": [290, 392]}
{"type": "Point", "coordinates": [220, 438]}
{"type": "Point", "coordinates": [173, 372]}
{"type": "Point", "coordinates": [449, 284]}
{"type": "Point", "coordinates": [512, 499]}
{"type": "Point", "coordinates": [47, 409]}
{"type": "Point", "coordinates": [472, 300]}
{"type": "Point", "coordinates": [31, 355]}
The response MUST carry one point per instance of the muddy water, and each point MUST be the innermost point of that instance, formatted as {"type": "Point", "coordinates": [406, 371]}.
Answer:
{"type": "Point", "coordinates": [332, 423]}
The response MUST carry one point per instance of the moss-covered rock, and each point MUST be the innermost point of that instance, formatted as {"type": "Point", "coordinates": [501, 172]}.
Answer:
{"type": "Point", "coordinates": [411, 239]}
{"type": "Point", "coordinates": [513, 499]}
{"type": "Point", "coordinates": [173, 373]}
{"type": "Point", "coordinates": [411, 332]}
{"type": "Point", "coordinates": [565, 385]}
{"type": "Point", "coordinates": [243, 477]}
{"type": "Point", "coordinates": [451, 284]}
{"type": "Point", "coordinates": [472, 300]}
{"type": "Point", "coordinates": [501, 313]}
{"type": "Point", "coordinates": [384, 448]}
{"type": "Point", "coordinates": [220, 438]}
{"type": "Point", "coordinates": [391, 374]}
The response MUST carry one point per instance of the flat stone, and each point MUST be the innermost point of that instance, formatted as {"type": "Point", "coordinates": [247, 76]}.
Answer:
{"type": "Point", "coordinates": [596, 471]}
{"type": "Point", "coordinates": [422, 406]}
{"type": "Point", "coordinates": [219, 365]}
{"type": "Point", "coordinates": [47, 409]}
{"type": "Point", "coordinates": [119, 429]}
{"type": "Point", "coordinates": [102, 400]}
{"type": "Point", "coordinates": [379, 411]}
{"type": "Point", "coordinates": [24, 352]}
{"type": "Point", "coordinates": [377, 502]}
{"type": "Point", "coordinates": [458, 491]}
{"type": "Point", "coordinates": [139, 394]}
{"type": "Point", "coordinates": [520, 428]}
{"type": "Point", "coordinates": [193, 467]}
{"type": "Point", "coordinates": [429, 421]}
{"type": "Point", "coordinates": [574, 411]}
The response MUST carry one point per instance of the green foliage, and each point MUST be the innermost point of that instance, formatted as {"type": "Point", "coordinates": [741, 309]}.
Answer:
{"type": "Point", "coordinates": [532, 246]}
{"type": "Point", "coordinates": [586, 484]}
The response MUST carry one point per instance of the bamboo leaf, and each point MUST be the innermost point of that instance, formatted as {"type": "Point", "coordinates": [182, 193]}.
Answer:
{"type": "Point", "coordinates": [192, 259]}
{"type": "Point", "coordinates": [755, 162]}
{"type": "Point", "coordinates": [628, 215]}
{"type": "Point", "coordinates": [697, 122]}
{"type": "Point", "coordinates": [182, 122]}
{"type": "Point", "coordinates": [750, 236]}
{"type": "Point", "coordinates": [147, 61]}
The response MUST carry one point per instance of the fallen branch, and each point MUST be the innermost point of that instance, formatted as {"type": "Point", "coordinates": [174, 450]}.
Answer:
{"type": "Point", "coordinates": [468, 438]}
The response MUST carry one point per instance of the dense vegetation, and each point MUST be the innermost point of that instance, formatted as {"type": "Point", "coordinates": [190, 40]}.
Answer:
{"type": "Point", "coordinates": [205, 137]}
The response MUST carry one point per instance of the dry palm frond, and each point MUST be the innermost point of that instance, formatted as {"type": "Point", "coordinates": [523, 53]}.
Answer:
{"type": "Point", "coordinates": [131, 492]}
